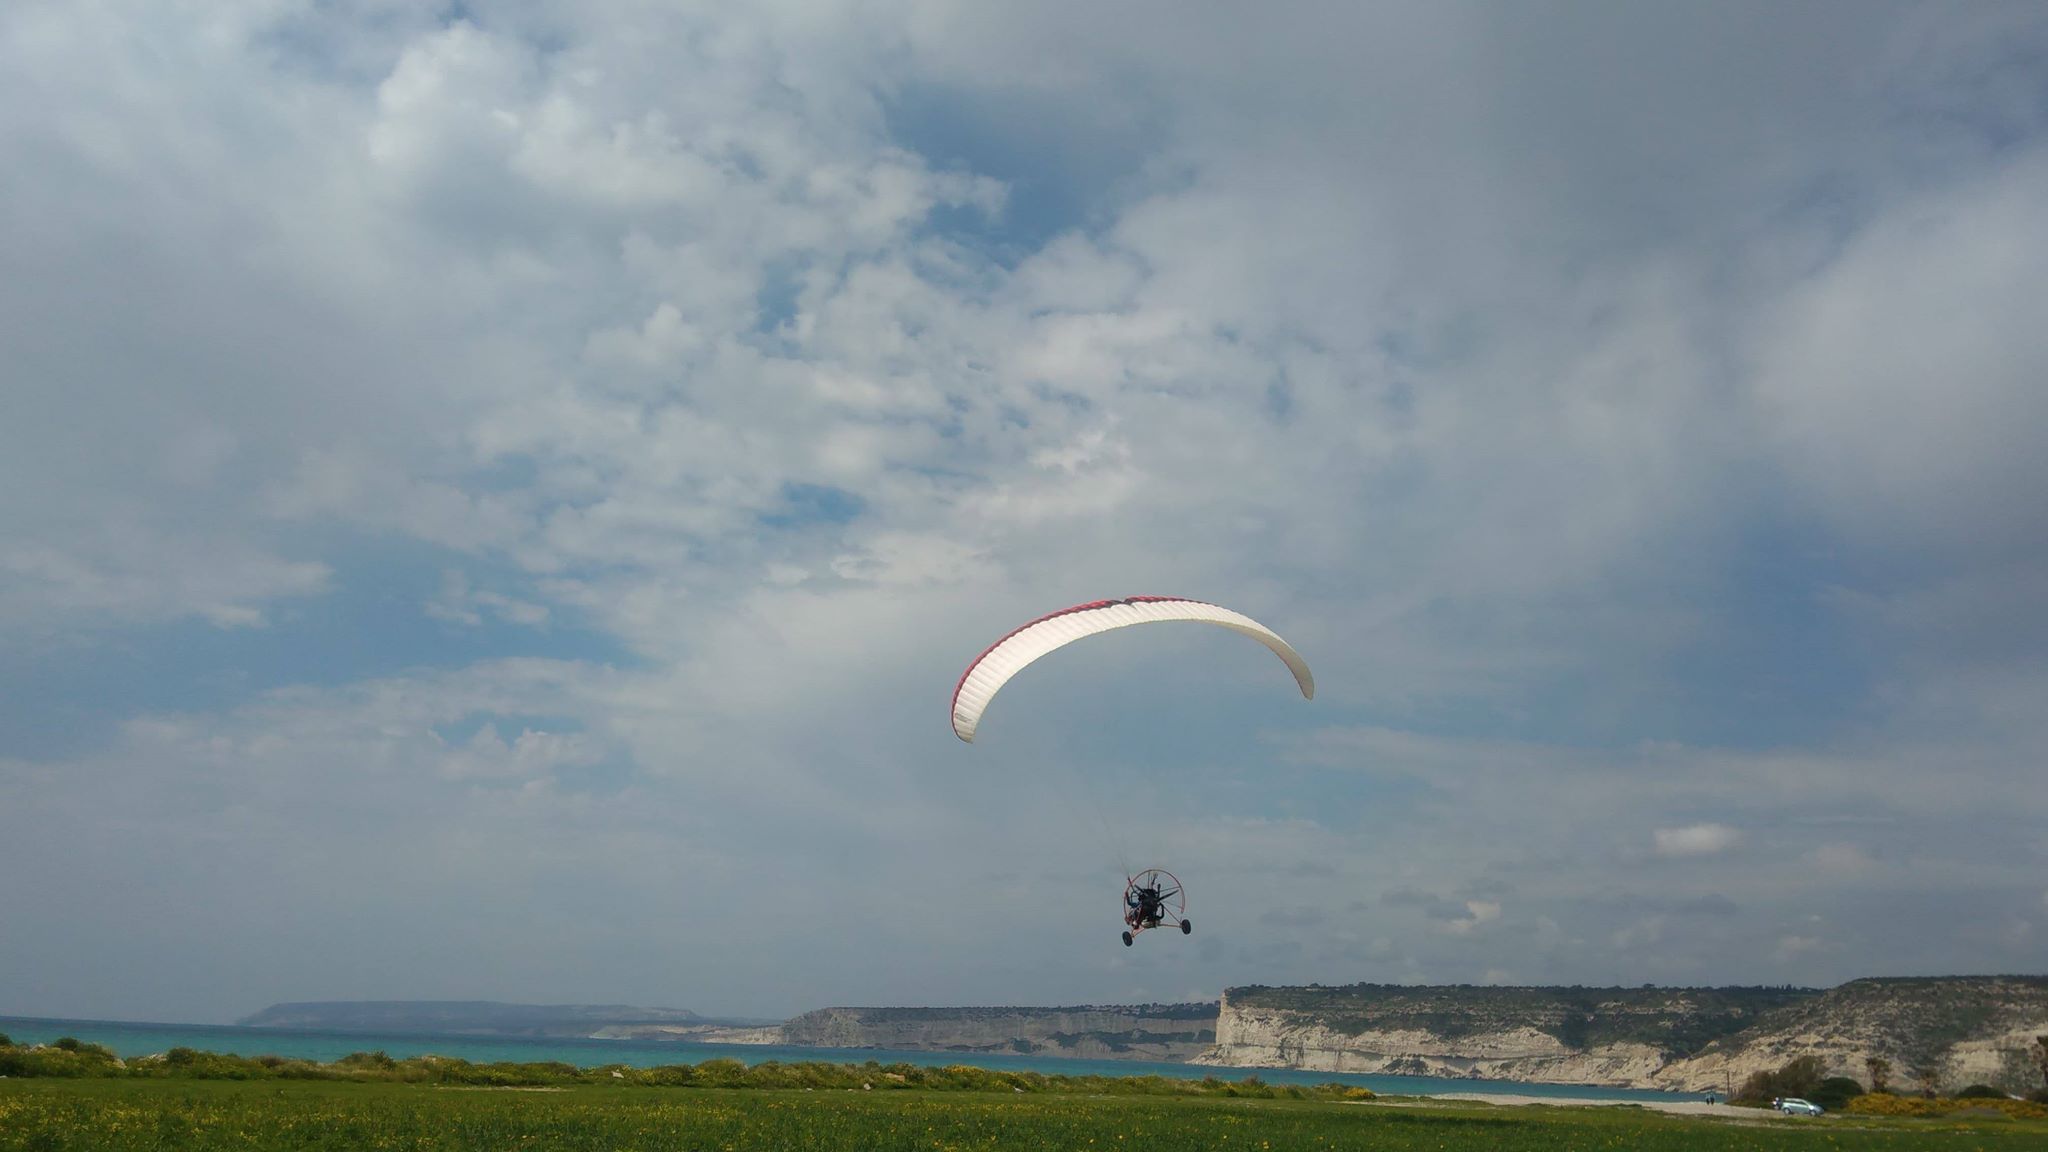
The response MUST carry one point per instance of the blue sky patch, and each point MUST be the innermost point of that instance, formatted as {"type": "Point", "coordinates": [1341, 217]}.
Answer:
{"type": "Point", "coordinates": [71, 697]}
{"type": "Point", "coordinates": [806, 504]}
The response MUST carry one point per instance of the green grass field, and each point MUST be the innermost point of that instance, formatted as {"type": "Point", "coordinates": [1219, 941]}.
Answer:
{"type": "Point", "coordinates": [47, 1115]}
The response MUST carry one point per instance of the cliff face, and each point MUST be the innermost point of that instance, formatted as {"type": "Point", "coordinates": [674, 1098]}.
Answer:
{"type": "Point", "coordinates": [1610, 1036]}
{"type": "Point", "coordinates": [1172, 1032]}
{"type": "Point", "coordinates": [1259, 1039]}
{"type": "Point", "coordinates": [1951, 1032]}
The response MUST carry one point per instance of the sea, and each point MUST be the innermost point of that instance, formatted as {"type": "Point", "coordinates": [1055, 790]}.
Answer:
{"type": "Point", "coordinates": [129, 1039]}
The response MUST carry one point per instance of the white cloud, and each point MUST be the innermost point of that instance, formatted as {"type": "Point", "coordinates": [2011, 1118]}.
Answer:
{"type": "Point", "coordinates": [459, 603]}
{"type": "Point", "coordinates": [1512, 412]}
{"type": "Point", "coordinates": [1793, 947]}
{"type": "Point", "coordinates": [139, 574]}
{"type": "Point", "coordinates": [1644, 933]}
{"type": "Point", "coordinates": [1841, 859]}
{"type": "Point", "coordinates": [532, 755]}
{"type": "Point", "coordinates": [914, 560]}
{"type": "Point", "coordinates": [1695, 840]}
{"type": "Point", "coordinates": [1901, 376]}
{"type": "Point", "coordinates": [1476, 913]}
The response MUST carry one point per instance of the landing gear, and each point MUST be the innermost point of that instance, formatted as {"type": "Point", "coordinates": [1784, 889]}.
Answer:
{"type": "Point", "coordinates": [1187, 926]}
{"type": "Point", "coordinates": [1127, 939]}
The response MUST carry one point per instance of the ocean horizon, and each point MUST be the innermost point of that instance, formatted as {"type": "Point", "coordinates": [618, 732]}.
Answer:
{"type": "Point", "coordinates": [130, 1039]}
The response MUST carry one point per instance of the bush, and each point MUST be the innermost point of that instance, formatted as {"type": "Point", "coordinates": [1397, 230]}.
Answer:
{"type": "Point", "coordinates": [207, 1066]}
{"type": "Point", "coordinates": [89, 1051]}
{"type": "Point", "coordinates": [1886, 1104]}
{"type": "Point", "coordinates": [72, 1059]}
{"type": "Point", "coordinates": [1801, 1076]}
{"type": "Point", "coordinates": [1835, 1092]}
{"type": "Point", "coordinates": [1980, 1092]}
{"type": "Point", "coordinates": [6, 1041]}
{"type": "Point", "coordinates": [367, 1061]}
{"type": "Point", "coordinates": [724, 1072]}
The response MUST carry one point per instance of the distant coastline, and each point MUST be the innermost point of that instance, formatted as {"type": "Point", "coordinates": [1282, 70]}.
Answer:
{"type": "Point", "coordinates": [497, 1018]}
{"type": "Point", "coordinates": [1953, 1031]}
{"type": "Point", "coordinates": [1950, 1032]}
{"type": "Point", "coordinates": [133, 1040]}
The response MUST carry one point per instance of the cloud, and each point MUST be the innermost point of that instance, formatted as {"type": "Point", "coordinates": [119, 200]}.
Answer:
{"type": "Point", "coordinates": [1841, 859]}
{"type": "Point", "coordinates": [1623, 417]}
{"type": "Point", "coordinates": [530, 756]}
{"type": "Point", "coordinates": [134, 573]}
{"type": "Point", "coordinates": [1293, 917]}
{"type": "Point", "coordinates": [1695, 840]}
{"type": "Point", "coordinates": [1792, 947]}
{"type": "Point", "coordinates": [1646, 932]}
{"type": "Point", "coordinates": [459, 603]}
{"type": "Point", "coordinates": [1711, 904]}
{"type": "Point", "coordinates": [1904, 355]}
{"type": "Point", "coordinates": [1475, 913]}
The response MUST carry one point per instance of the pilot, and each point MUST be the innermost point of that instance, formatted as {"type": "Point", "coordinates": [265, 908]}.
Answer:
{"type": "Point", "coordinates": [1144, 904]}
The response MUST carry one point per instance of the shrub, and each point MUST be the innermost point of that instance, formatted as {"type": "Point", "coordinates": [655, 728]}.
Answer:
{"type": "Point", "coordinates": [724, 1072]}
{"type": "Point", "coordinates": [1835, 1092]}
{"type": "Point", "coordinates": [1886, 1104]}
{"type": "Point", "coordinates": [367, 1061]}
{"type": "Point", "coordinates": [205, 1066]}
{"type": "Point", "coordinates": [1980, 1092]}
{"type": "Point", "coordinates": [1801, 1076]}
{"type": "Point", "coordinates": [6, 1041]}
{"type": "Point", "coordinates": [60, 1059]}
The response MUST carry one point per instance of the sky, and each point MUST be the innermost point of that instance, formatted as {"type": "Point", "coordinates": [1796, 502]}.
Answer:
{"type": "Point", "coordinates": [494, 497]}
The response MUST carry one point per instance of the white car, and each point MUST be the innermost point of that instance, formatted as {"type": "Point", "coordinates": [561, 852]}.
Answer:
{"type": "Point", "coordinates": [1794, 1106]}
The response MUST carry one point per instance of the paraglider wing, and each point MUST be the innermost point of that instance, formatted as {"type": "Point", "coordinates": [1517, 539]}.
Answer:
{"type": "Point", "coordinates": [1010, 655]}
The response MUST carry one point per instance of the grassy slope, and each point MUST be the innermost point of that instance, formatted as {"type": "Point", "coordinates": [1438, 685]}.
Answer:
{"type": "Point", "coordinates": [48, 1115]}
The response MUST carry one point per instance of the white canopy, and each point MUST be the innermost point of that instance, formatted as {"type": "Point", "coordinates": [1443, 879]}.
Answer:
{"type": "Point", "coordinates": [1010, 655]}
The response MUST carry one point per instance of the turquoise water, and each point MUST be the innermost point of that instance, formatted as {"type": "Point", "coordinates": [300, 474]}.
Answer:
{"type": "Point", "coordinates": [131, 1039]}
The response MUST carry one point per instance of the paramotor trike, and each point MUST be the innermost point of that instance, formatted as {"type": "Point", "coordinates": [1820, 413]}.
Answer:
{"type": "Point", "coordinates": [1154, 898]}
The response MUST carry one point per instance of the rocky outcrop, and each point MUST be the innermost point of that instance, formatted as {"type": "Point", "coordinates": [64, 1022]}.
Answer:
{"type": "Point", "coordinates": [692, 1033]}
{"type": "Point", "coordinates": [1947, 1032]}
{"type": "Point", "coordinates": [1265, 1040]}
{"type": "Point", "coordinates": [1608, 1036]}
{"type": "Point", "coordinates": [1171, 1032]}
{"type": "Point", "coordinates": [1944, 1032]}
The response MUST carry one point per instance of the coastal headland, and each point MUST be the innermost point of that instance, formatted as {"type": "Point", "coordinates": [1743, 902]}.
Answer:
{"type": "Point", "coordinates": [1942, 1033]}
